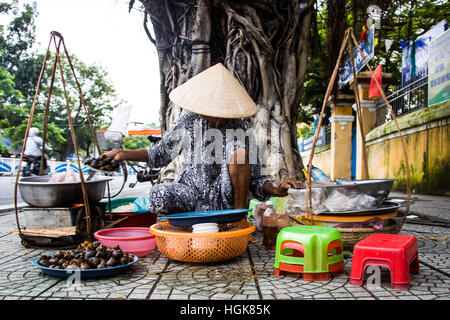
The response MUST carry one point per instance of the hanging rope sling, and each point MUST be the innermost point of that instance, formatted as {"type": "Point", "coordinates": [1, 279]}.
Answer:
{"type": "Point", "coordinates": [57, 39]}
{"type": "Point", "coordinates": [349, 40]}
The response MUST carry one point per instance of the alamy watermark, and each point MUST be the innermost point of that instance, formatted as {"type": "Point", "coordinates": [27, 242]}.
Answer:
{"type": "Point", "coordinates": [374, 280]}
{"type": "Point", "coordinates": [214, 146]}
{"type": "Point", "coordinates": [73, 282]}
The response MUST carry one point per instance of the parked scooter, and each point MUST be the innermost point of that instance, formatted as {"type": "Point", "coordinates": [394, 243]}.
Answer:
{"type": "Point", "coordinates": [32, 154]}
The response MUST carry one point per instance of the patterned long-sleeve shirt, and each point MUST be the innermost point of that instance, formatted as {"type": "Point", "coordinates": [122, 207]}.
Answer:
{"type": "Point", "coordinates": [207, 154]}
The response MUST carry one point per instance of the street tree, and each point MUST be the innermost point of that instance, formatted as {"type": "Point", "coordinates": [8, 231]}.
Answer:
{"type": "Point", "coordinates": [401, 20]}
{"type": "Point", "coordinates": [22, 65]}
{"type": "Point", "coordinates": [99, 95]}
{"type": "Point", "coordinates": [264, 44]}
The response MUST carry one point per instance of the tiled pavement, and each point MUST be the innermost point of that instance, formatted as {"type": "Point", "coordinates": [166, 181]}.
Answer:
{"type": "Point", "coordinates": [248, 277]}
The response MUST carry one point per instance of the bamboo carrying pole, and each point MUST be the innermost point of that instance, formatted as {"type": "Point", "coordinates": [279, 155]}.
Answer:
{"type": "Point", "coordinates": [308, 201]}
{"type": "Point", "coordinates": [57, 63]}
{"type": "Point", "coordinates": [358, 111]}
{"type": "Point", "coordinates": [348, 38]}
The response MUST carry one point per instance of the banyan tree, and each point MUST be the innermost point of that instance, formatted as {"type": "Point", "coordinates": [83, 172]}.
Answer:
{"type": "Point", "coordinates": [264, 43]}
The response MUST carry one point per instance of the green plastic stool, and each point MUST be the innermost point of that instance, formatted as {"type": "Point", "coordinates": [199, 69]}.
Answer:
{"type": "Point", "coordinates": [314, 251]}
{"type": "Point", "coordinates": [254, 202]}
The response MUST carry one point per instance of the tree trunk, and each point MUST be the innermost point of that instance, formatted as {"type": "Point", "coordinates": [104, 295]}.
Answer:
{"type": "Point", "coordinates": [264, 43]}
{"type": "Point", "coordinates": [336, 18]}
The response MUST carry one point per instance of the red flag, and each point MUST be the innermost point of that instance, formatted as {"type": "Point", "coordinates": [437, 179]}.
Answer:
{"type": "Point", "coordinates": [364, 31]}
{"type": "Point", "coordinates": [363, 34]}
{"type": "Point", "coordinates": [373, 89]}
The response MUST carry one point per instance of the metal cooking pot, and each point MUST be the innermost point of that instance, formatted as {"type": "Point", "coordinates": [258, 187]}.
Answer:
{"type": "Point", "coordinates": [38, 192]}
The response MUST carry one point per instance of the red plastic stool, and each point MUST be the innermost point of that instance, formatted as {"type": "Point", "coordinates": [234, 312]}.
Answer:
{"type": "Point", "coordinates": [397, 252]}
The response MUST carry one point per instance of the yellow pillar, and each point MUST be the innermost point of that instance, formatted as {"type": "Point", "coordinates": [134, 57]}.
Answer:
{"type": "Point", "coordinates": [368, 116]}
{"type": "Point", "coordinates": [341, 136]}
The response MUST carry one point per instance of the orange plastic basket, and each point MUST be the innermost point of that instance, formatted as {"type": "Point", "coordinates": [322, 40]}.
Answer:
{"type": "Point", "coordinates": [202, 247]}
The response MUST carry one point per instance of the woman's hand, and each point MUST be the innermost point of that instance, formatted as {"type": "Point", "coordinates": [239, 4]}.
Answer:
{"type": "Point", "coordinates": [116, 154]}
{"type": "Point", "coordinates": [286, 184]}
{"type": "Point", "coordinates": [140, 155]}
{"type": "Point", "coordinates": [281, 190]}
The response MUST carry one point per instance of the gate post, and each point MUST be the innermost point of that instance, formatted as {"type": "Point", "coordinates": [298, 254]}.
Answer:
{"type": "Point", "coordinates": [368, 115]}
{"type": "Point", "coordinates": [341, 135]}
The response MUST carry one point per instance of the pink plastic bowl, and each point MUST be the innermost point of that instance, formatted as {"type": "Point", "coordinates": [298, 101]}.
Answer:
{"type": "Point", "coordinates": [135, 240]}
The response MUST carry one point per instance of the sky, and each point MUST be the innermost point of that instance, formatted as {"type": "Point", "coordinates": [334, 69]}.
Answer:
{"type": "Point", "coordinates": [102, 32]}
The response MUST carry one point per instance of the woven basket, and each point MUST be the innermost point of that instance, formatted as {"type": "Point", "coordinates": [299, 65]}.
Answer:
{"type": "Point", "coordinates": [351, 236]}
{"type": "Point", "coordinates": [202, 247]}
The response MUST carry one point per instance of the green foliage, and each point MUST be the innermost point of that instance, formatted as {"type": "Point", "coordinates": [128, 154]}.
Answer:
{"type": "Point", "coordinates": [16, 42]}
{"type": "Point", "coordinates": [7, 87]}
{"type": "Point", "coordinates": [304, 132]}
{"type": "Point", "coordinates": [401, 21]}
{"type": "Point", "coordinates": [99, 95]}
{"type": "Point", "coordinates": [54, 133]}
{"type": "Point", "coordinates": [20, 67]}
{"type": "Point", "coordinates": [138, 142]}
{"type": "Point", "coordinates": [8, 93]}
{"type": "Point", "coordinates": [3, 149]}
{"type": "Point", "coordinates": [135, 142]}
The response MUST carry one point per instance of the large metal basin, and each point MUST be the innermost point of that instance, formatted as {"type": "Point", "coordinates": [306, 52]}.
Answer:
{"type": "Point", "coordinates": [38, 192]}
{"type": "Point", "coordinates": [377, 188]}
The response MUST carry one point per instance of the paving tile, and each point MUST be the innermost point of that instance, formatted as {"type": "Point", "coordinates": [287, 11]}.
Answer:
{"type": "Point", "coordinates": [223, 296]}
{"type": "Point", "coordinates": [409, 298]}
{"type": "Point", "coordinates": [178, 296]}
{"type": "Point", "coordinates": [158, 296]}
{"type": "Point", "coordinates": [282, 296]}
{"type": "Point", "coordinates": [444, 297]}
{"type": "Point", "coordinates": [341, 295]}
{"type": "Point", "coordinates": [361, 294]}
{"type": "Point", "coordinates": [427, 297]}
{"type": "Point", "coordinates": [233, 280]}
{"type": "Point", "coordinates": [268, 297]}
{"type": "Point", "coordinates": [323, 296]}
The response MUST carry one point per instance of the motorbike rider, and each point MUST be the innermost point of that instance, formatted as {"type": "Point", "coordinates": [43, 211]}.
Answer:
{"type": "Point", "coordinates": [33, 149]}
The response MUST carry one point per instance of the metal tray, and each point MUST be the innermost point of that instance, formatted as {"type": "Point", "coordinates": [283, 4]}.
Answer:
{"type": "Point", "coordinates": [187, 219]}
{"type": "Point", "coordinates": [385, 207]}
{"type": "Point", "coordinates": [85, 274]}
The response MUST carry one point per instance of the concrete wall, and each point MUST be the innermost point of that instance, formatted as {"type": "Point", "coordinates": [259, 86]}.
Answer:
{"type": "Point", "coordinates": [426, 136]}
{"type": "Point", "coordinates": [321, 159]}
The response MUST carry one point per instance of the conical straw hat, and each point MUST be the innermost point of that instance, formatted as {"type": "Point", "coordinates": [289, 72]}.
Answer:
{"type": "Point", "coordinates": [215, 93]}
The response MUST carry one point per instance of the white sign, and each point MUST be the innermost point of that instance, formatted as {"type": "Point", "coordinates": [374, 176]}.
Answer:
{"type": "Point", "coordinates": [439, 69]}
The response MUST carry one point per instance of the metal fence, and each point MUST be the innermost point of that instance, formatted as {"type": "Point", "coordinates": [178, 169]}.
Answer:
{"type": "Point", "coordinates": [404, 100]}
{"type": "Point", "coordinates": [305, 144]}
{"type": "Point", "coordinates": [9, 166]}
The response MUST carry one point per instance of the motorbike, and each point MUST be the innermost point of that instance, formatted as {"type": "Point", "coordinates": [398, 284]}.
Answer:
{"type": "Point", "coordinates": [33, 165]}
